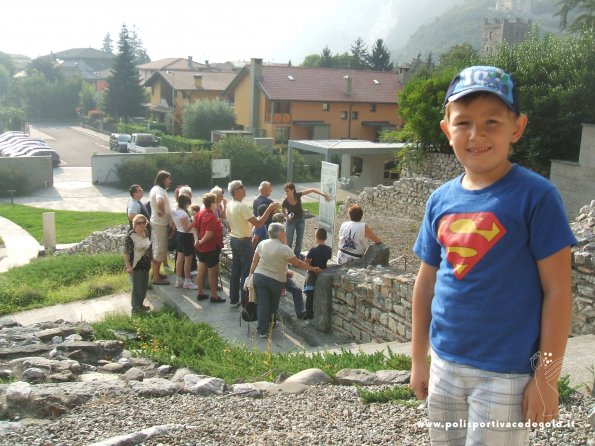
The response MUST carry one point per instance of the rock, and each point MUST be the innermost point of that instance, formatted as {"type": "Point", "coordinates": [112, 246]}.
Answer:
{"type": "Point", "coordinates": [154, 387]}
{"type": "Point", "coordinates": [34, 375]}
{"type": "Point", "coordinates": [62, 377]}
{"type": "Point", "coordinates": [141, 436]}
{"type": "Point", "coordinates": [393, 376]}
{"type": "Point", "coordinates": [180, 374]}
{"type": "Point", "coordinates": [376, 255]}
{"type": "Point", "coordinates": [113, 367]}
{"type": "Point", "coordinates": [246, 389]}
{"type": "Point", "coordinates": [203, 385]}
{"type": "Point", "coordinates": [164, 369]}
{"type": "Point", "coordinates": [310, 377]}
{"type": "Point", "coordinates": [18, 392]}
{"type": "Point", "coordinates": [134, 374]}
{"type": "Point", "coordinates": [359, 377]}
{"type": "Point", "coordinates": [24, 350]}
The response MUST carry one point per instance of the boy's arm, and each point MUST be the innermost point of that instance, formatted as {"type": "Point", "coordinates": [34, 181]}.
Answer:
{"type": "Point", "coordinates": [541, 401]}
{"type": "Point", "coordinates": [423, 293]}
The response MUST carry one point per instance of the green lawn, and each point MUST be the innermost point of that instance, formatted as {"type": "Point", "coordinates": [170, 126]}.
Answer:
{"type": "Point", "coordinates": [71, 226]}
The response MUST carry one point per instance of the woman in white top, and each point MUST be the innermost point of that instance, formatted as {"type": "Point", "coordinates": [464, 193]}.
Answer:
{"type": "Point", "coordinates": [184, 243]}
{"type": "Point", "coordinates": [269, 269]}
{"type": "Point", "coordinates": [353, 235]}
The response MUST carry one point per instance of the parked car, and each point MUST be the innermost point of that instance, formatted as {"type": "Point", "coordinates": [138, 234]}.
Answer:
{"type": "Point", "coordinates": [45, 152]}
{"type": "Point", "coordinates": [19, 145]}
{"type": "Point", "coordinates": [6, 136]}
{"type": "Point", "coordinates": [119, 142]}
{"type": "Point", "coordinates": [145, 143]}
{"type": "Point", "coordinates": [26, 149]}
{"type": "Point", "coordinates": [12, 142]}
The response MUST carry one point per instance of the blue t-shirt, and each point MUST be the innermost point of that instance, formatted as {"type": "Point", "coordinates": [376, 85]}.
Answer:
{"type": "Point", "coordinates": [261, 233]}
{"type": "Point", "coordinates": [486, 311]}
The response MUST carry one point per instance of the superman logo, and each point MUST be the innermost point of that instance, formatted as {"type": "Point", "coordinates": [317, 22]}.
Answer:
{"type": "Point", "coordinates": [467, 238]}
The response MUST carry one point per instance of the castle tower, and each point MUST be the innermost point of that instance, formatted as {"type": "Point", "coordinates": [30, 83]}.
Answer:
{"type": "Point", "coordinates": [502, 31]}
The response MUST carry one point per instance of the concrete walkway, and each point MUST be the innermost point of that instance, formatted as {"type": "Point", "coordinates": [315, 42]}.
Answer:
{"type": "Point", "coordinates": [20, 246]}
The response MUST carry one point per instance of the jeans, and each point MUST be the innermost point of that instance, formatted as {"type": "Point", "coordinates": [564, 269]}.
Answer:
{"type": "Point", "coordinates": [298, 227]}
{"type": "Point", "coordinates": [268, 293]}
{"type": "Point", "coordinates": [242, 258]}
{"type": "Point", "coordinates": [296, 292]}
{"type": "Point", "coordinates": [140, 284]}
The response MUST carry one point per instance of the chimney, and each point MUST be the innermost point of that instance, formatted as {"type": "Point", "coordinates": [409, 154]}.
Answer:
{"type": "Point", "coordinates": [198, 80]}
{"type": "Point", "coordinates": [189, 61]}
{"type": "Point", "coordinates": [347, 85]}
{"type": "Point", "coordinates": [255, 76]}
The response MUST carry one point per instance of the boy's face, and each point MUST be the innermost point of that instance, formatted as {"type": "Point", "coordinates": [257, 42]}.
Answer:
{"type": "Point", "coordinates": [480, 133]}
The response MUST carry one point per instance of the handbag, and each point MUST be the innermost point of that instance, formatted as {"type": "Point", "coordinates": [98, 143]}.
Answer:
{"type": "Point", "coordinates": [249, 310]}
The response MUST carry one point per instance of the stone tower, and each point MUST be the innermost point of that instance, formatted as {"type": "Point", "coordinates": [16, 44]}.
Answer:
{"type": "Point", "coordinates": [501, 31]}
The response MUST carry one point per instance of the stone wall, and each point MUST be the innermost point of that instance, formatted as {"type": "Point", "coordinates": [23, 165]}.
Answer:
{"type": "Point", "coordinates": [438, 166]}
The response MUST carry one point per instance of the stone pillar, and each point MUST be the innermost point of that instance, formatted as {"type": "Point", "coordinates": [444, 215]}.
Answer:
{"type": "Point", "coordinates": [323, 300]}
{"type": "Point", "coordinates": [49, 232]}
{"type": "Point", "coordinates": [376, 255]}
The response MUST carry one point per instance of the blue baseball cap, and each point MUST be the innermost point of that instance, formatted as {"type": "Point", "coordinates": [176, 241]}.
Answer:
{"type": "Point", "coordinates": [483, 78]}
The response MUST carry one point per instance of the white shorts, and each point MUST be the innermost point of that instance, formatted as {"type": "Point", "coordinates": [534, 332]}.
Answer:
{"type": "Point", "coordinates": [469, 406]}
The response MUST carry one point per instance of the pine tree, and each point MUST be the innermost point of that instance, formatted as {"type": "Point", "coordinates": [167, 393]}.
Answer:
{"type": "Point", "coordinates": [326, 58]}
{"type": "Point", "coordinates": [108, 44]}
{"type": "Point", "coordinates": [124, 95]}
{"type": "Point", "coordinates": [139, 53]}
{"type": "Point", "coordinates": [379, 60]}
{"type": "Point", "coordinates": [359, 55]}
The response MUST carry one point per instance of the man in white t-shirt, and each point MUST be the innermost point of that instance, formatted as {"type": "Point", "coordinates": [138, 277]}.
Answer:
{"type": "Point", "coordinates": [241, 221]}
{"type": "Point", "coordinates": [161, 221]}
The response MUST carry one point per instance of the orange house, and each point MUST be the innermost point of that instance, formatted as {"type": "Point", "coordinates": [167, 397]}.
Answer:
{"type": "Point", "coordinates": [171, 90]}
{"type": "Point", "coordinates": [285, 102]}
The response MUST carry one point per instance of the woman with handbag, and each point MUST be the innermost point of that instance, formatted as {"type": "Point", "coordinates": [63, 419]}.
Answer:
{"type": "Point", "coordinates": [269, 270]}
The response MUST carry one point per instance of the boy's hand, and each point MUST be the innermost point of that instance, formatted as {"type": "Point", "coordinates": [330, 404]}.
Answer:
{"type": "Point", "coordinates": [541, 402]}
{"type": "Point", "coordinates": [420, 378]}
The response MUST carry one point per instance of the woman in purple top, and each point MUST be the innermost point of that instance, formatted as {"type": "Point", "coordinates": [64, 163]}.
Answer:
{"type": "Point", "coordinates": [292, 209]}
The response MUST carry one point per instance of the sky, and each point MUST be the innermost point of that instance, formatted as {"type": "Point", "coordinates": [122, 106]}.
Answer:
{"type": "Point", "coordinates": [217, 31]}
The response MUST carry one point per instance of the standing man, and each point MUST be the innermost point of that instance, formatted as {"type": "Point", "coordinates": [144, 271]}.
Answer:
{"type": "Point", "coordinates": [241, 221]}
{"type": "Point", "coordinates": [160, 222]}
{"type": "Point", "coordinates": [265, 190]}
{"type": "Point", "coordinates": [135, 206]}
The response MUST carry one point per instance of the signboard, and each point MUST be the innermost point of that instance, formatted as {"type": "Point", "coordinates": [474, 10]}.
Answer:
{"type": "Point", "coordinates": [221, 168]}
{"type": "Point", "coordinates": [329, 173]}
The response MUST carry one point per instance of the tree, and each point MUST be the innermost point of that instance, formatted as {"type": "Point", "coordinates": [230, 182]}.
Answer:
{"type": "Point", "coordinates": [379, 59]}
{"type": "Point", "coordinates": [124, 95]}
{"type": "Point", "coordinates": [203, 116]}
{"type": "Point", "coordinates": [341, 60]}
{"type": "Point", "coordinates": [108, 45]}
{"type": "Point", "coordinates": [359, 55]}
{"type": "Point", "coordinates": [556, 79]}
{"type": "Point", "coordinates": [326, 58]}
{"type": "Point", "coordinates": [459, 56]}
{"type": "Point", "coordinates": [46, 66]}
{"type": "Point", "coordinates": [139, 53]}
{"type": "Point", "coordinates": [87, 98]}
{"type": "Point", "coordinates": [585, 19]}
{"type": "Point", "coordinates": [312, 60]}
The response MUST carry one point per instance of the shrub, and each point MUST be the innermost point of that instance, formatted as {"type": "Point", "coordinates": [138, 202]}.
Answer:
{"type": "Point", "coordinates": [13, 180]}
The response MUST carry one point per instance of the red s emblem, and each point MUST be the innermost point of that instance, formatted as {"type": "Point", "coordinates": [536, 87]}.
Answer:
{"type": "Point", "coordinates": [467, 238]}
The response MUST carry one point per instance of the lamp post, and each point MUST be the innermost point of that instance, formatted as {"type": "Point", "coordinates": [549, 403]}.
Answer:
{"type": "Point", "coordinates": [173, 101]}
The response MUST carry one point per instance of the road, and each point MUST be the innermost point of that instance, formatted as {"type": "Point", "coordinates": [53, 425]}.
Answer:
{"type": "Point", "coordinates": [75, 148]}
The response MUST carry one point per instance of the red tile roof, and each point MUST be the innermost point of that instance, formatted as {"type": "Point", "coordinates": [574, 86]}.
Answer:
{"type": "Point", "coordinates": [328, 84]}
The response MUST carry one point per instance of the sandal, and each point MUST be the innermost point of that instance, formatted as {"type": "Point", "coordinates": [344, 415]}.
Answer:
{"type": "Point", "coordinates": [202, 296]}
{"type": "Point", "coordinates": [217, 299]}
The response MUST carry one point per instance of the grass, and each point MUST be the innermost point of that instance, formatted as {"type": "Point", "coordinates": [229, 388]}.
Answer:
{"type": "Point", "coordinates": [402, 394]}
{"type": "Point", "coordinates": [60, 279]}
{"type": "Point", "coordinates": [71, 226]}
{"type": "Point", "coordinates": [313, 206]}
{"type": "Point", "coordinates": [169, 338]}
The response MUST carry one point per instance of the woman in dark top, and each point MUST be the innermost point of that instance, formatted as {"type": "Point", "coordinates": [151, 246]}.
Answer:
{"type": "Point", "coordinates": [292, 209]}
{"type": "Point", "coordinates": [137, 258]}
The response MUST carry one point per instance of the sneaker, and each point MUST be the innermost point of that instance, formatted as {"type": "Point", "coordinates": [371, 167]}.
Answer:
{"type": "Point", "coordinates": [308, 322]}
{"type": "Point", "coordinates": [193, 273]}
{"type": "Point", "coordinates": [179, 283]}
{"type": "Point", "coordinates": [235, 304]}
{"type": "Point", "coordinates": [190, 286]}
{"type": "Point", "coordinates": [263, 335]}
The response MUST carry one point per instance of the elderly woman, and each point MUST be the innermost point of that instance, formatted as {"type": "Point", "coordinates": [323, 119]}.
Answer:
{"type": "Point", "coordinates": [353, 235]}
{"type": "Point", "coordinates": [269, 269]}
{"type": "Point", "coordinates": [137, 258]}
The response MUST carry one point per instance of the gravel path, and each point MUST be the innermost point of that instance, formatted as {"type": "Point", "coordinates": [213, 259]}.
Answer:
{"type": "Point", "coordinates": [323, 415]}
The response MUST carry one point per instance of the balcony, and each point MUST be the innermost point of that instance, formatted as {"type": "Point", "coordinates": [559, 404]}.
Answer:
{"type": "Point", "coordinates": [278, 118]}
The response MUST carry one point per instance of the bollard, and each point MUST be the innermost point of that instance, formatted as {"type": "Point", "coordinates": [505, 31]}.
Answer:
{"type": "Point", "coordinates": [49, 232]}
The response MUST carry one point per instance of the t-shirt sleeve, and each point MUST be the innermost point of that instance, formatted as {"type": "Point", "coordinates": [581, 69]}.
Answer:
{"type": "Point", "coordinates": [548, 226]}
{"type": "Point", "coordinates": [426, 245]}
{"type": "Point", "coordinates": [133, 207]}
{"type": "Point", "coordinates": [287, 252]}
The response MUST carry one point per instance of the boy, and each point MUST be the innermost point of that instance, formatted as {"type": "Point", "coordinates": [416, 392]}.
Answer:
{"type": "Point", "coordinates": [493, 292]}
{"type": "Point", "coordinates": [317, 256]}
{"type": "Point", "coordinates": [260, 234]}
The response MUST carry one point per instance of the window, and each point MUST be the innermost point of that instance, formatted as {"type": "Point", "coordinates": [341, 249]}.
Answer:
{"type": "Point", "coordinates": [357, 164]}
{"type": "Point", "coordinates": [343, 115]}
{"type": "Point", "coordinates": [354, 115]}
{"type": "Point", "coordinates": [281, 135]}
{"type": "Point", "coordinates": [373, 108]}
{"type": "Point", "coordinates": [326, 106]}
